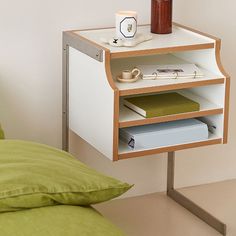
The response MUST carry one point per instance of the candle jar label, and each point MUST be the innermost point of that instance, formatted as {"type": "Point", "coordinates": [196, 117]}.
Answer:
{"type": "Point", "coordinates": [126, 24]}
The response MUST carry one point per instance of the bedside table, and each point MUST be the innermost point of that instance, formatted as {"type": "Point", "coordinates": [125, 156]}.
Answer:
{"type": "Point", "coordinates": [93, 99]}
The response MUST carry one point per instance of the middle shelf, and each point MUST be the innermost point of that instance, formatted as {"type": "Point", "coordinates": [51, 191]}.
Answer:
{"type": "Point", "coordinates": [128, 117]}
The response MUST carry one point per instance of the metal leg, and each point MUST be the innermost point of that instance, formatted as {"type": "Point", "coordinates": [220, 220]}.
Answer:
{"type": "Point", "coordinates": [65, 130]}
{"type": "Point", "coordinates": [70, 39]}
{"type": "Point", "coordinates": [187, 203]}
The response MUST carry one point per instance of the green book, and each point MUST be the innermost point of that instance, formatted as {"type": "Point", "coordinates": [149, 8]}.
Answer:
{"type": "Point", "coordinates": [161, 104]}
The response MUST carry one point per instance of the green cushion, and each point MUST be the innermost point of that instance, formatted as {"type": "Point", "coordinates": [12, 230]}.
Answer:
{"type": "Point", "coordinates": [57, 221]}
{"type": "Point", "coordinates": [36, 175]}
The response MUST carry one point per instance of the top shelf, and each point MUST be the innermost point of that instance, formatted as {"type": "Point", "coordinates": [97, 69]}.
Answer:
{"type": "Point", "coordinates": [181, 39]}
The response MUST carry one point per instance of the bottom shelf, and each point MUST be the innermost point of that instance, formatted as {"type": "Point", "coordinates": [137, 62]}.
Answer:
{"type": "Point", "coordinates": [126, 152]}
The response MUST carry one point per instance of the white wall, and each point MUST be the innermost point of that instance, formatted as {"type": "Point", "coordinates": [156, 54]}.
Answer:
{"type": "Point", "coordinates": [217, 162]}
{"type": "Point", "coordinates": [30, 59]}
{"type": "Point", "coordinates": [30, 82]}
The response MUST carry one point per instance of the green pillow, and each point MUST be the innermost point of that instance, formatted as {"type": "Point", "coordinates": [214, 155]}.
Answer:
{"type": "Point", "coordinates": [57, 221]}
{"type": "Point", "coordinates": [35, 175]}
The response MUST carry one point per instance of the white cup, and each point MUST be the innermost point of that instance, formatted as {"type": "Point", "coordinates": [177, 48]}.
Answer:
{"type": "Point", "coordinates": [126, 24]}
{"type": "Point", "coordinates": [130, 74]}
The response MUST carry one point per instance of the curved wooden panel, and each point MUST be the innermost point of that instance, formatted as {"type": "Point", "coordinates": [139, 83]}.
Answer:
{"type": "Point", "coordinates": [227, 91]}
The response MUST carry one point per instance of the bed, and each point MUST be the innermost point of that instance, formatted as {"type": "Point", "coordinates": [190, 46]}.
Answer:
{"type": "Point", "coordinates": [58, 220]}
{"type": "Point", "coordinates": [46, 191]}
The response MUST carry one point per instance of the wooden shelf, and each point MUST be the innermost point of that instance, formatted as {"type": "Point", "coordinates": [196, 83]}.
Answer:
{"type": "Point", "coordinates": [180, 40]}
{"type": "Point", "coordinates": [150, 86]}
{"type": "Point", "coordinates": [143, 121]}
{"type": "Point", "coordinates": [130, 118]}
{"type": "Point", "coordinates": [126, 152]}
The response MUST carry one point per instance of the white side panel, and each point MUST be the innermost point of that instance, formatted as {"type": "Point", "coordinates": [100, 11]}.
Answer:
{"type": "Point", "coordinates": [91, 102]}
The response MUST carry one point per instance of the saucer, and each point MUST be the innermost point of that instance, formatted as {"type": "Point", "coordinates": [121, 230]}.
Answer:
{"type": "Point", "coordinates": [121, 80]}
{"type": "Point", "coordinates": [116, 42]}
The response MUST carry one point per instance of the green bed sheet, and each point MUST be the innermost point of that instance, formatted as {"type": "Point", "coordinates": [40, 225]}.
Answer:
{"type": "Point", "coordinates": [58, 220]}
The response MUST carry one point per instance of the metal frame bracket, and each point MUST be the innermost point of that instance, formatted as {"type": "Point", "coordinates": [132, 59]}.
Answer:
{"type": "Point", "coordinates": [83, 45]}
{"type": "Point", "coordinates": [71, 39]}
{"type": "Point", "coordinates": [186, 202]}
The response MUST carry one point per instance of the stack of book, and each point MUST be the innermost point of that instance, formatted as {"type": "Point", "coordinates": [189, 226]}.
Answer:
{"type": "Point", "coordinates": [161, 104]}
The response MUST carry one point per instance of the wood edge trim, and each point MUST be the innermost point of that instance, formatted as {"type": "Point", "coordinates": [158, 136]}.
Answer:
{"type": "Point", "coordinates": [108, 70]}
{"type": "Point", "coordinates": [227, 90]}
{"type": "Point", "coordinates": [116, 125]}
{"type": "Point", "coordinates": [169, 149]}
{"type": "Point", "coordinates": [116, 109]}
{"type": "Point", "coordinates": [171, 87]}
{"type": "Point", "coordinates": [116, 105]}
{"type": "Point", "coordinates": [196, 31]}
{"type": "Point", "coordinates": [170, 118]}
{"type": "Point", "coordinates": [117, 55]}
{"type": "Point", "coordinates": [226, 110]}
{"type": "Point", "coordinates": [218, 59]}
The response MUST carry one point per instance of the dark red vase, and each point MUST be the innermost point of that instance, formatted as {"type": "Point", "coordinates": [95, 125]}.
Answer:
{"type": "Point", "coordinates": [161, 16]}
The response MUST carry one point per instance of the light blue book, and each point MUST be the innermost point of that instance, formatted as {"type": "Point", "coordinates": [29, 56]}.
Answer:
{"type": "Point", "coordinates": [164, 134]}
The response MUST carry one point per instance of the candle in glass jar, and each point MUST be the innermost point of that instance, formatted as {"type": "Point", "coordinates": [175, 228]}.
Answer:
{"type": "Point", "coordinates": [161, 16]}
{"type": "Point", "coordinates": [126, 24]}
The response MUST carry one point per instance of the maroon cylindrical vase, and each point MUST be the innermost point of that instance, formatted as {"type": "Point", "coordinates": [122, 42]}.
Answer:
{"type": "Point", "coordinates": [161, 16]}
